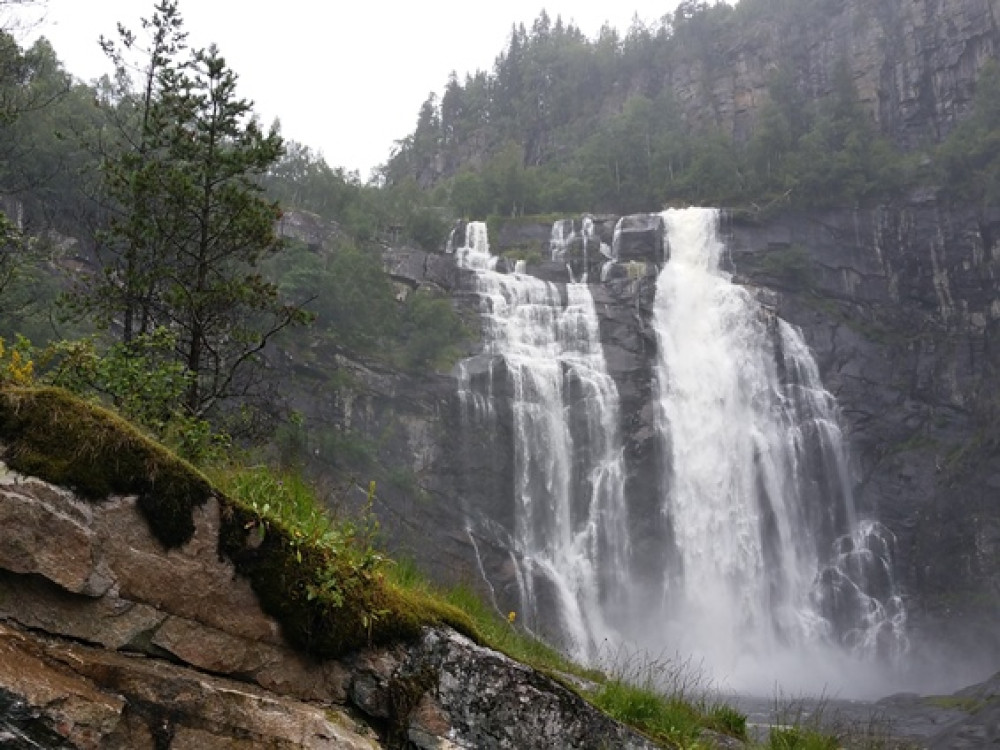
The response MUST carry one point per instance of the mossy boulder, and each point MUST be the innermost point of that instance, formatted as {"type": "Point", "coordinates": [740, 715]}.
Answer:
{"type": "Point", "coordinates": [327, 600]}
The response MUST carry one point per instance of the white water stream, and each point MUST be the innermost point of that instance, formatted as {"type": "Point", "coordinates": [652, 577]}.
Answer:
{"type": "Point", "coordinates": [570, 520]}
{"type": "Point", "coordinates": [759, 500]}
{"type": "Point", "coordinates": [768, 577]}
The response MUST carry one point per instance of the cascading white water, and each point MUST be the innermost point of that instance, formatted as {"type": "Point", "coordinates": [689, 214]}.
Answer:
{"type": "Point", "coordinates": [760, 569]}
{"type": "Point", "coordinates": [771, 579]}
{"type": "Point", "coordinates": [574, 246]}
{"type": "Point", "coordinates": [570, 518]}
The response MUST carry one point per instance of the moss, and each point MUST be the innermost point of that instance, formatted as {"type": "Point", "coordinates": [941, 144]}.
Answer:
{"type": "Point", "coordinates": [53, 435]}
{"type": "Point", "coordinates": [326, 605]}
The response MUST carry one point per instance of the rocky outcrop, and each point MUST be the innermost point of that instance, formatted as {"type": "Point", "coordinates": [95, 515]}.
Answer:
{"type": "Point", "coordinates": [107, 640]}
{"type": "Point", "coordinates": [978, 724]}
{"type": "Point", "coordinates": [313, 231]}
{"type": "Point", "coordinates": [913, 71]}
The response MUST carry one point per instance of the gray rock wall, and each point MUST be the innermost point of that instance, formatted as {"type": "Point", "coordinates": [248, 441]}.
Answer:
{"type": "Point", "coordinates": [913, 63]}
{"type": "Point", "coordinates": [900, 307]}
{"type": "Point", "coordinates": [902, 310]}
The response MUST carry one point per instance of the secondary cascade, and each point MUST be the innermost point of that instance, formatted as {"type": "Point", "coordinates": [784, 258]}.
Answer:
{"type": "Point", "coordinates": [569, 537]}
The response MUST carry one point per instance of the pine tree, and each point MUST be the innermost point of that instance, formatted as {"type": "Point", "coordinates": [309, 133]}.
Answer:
{"type": "Point", "coordinates": [193, 222]}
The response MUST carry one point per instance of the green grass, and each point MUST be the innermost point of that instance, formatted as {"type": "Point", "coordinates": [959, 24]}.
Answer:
{"type": "Point", "coordinates": [800, 738]}
{"type": "Point", "coordinates": [813, 725]}
{"type": "Point", "coordinates": [662, 718]}
{"type": "Point", "coordinates": [966, 703]}
{"type": "Point", "coordinates": [491, 627]}
{"type": "Point", "coordinates": [324, 579]}
{"type": "Point", "coordinates": [666, 699]}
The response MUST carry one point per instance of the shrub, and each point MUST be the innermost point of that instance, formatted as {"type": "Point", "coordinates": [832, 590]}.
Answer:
{"type": "Point", "coordinates": [16, 364]}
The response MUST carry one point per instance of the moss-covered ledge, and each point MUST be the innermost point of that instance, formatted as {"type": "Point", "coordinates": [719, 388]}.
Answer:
{"type": "Point", "coordinates": [51, 434]}
{"type": "Point", "coordinates": [325, 605]}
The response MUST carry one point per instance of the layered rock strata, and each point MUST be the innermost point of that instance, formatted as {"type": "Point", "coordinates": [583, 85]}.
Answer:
{"type": "Point", "coordinates": [109, 641]}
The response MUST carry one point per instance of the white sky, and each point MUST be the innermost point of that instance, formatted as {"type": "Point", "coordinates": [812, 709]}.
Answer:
{"type": "Point", "coordinates": [345, 77]}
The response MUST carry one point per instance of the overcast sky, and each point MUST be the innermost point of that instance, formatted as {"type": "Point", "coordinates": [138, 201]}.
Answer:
{"type": "Point", "coordinates": [346, 77]}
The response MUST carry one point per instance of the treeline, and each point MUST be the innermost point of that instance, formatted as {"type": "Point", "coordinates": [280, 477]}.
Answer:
{"type": "Point", "coordinates": [140, 259]}
{"type": "Point", "coordinates": [564, 123]}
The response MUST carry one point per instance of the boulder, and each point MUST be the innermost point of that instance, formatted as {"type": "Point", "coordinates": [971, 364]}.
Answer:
{"type": "Point", "coordinates": [640, 237]}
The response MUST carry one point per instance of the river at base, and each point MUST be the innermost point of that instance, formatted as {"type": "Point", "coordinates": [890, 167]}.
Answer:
{"type": "Point", "coordinates": [900, 720]}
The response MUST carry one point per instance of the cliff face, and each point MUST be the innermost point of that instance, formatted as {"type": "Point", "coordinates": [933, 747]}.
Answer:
{"type": "Point", "coordinates": [109, 641]}
{"type": "Point", "coordinates": [914, 64]}
{"type": "Point", "coordinates": [900, 309]}
{"type": "Point", "coordinates": [911, 64]}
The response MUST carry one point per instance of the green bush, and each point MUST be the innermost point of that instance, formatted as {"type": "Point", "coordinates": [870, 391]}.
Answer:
{"type": "Point", "coordinates": [431, 332]}
{"type": "Point", "coordinates": [143, 381]}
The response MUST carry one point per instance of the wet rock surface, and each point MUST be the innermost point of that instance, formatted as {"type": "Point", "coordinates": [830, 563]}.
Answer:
{"type": "Point", "coordinates": [172, 650]}
{"type": "Point", "coordinates": [900, 309]}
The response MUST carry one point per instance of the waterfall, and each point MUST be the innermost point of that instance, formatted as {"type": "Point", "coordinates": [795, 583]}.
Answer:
{"type": "Point", "coordinates": [752, 560]}
{"type": "Point", "coordinates": [578, 246]}
{"type": "Point", "coordinates": [569, 520]}
{"type": "Point", "coordinates": [774, 579]}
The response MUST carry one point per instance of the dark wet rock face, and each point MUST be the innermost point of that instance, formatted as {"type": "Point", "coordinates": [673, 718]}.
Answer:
{"type": "Point", "coordinates": [900, 309]}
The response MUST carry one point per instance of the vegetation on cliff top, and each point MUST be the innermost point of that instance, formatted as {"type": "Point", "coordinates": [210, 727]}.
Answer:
{"type": "Point", "coordinates": [628, 122]}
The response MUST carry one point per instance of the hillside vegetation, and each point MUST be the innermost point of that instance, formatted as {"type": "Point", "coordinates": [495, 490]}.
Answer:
{"type": "Point", "coordinates": [565, 123]}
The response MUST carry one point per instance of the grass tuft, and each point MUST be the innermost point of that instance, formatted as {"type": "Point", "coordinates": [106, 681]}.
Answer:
{"type": "Point", "coordinates": [324, 580]}
{"type": "Point", "coordinates": [666, 699]}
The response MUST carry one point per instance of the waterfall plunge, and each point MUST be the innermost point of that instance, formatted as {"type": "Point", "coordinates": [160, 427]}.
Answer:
{"type": "Point", "coordinates": [758, 502]}
{"type": "Point", "coordinates": [767, 578]}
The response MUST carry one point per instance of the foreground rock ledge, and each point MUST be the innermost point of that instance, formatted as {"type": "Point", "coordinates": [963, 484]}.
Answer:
{"type": "Point", "coordinates": [108, 641]}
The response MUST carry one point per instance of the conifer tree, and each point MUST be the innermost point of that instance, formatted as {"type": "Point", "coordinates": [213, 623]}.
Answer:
{"type": "Point", "coordinates": [191, 221]}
